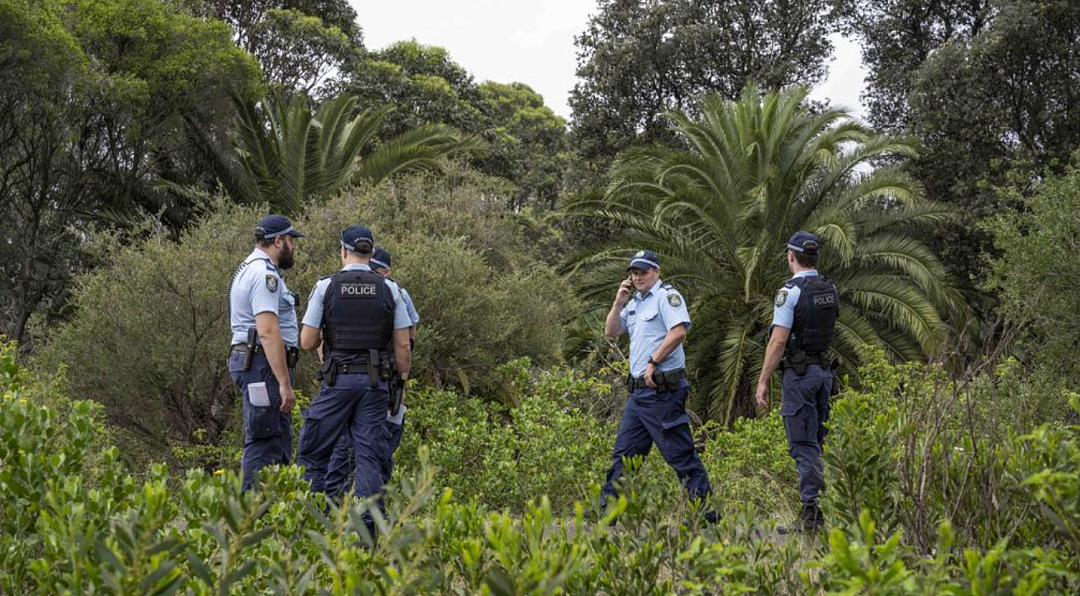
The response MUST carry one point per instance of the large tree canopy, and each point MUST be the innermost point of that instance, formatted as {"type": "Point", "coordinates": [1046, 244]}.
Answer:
{"type": "Point", "coordinates": [640, 58]}
{"type": "Point", "coordinates": [298, 43]}
{"type": "Point", "coordinates": [424, 85]}
{"type": "Point", "coordinates": [719, 213]}
{"type": "Point", "coordinates": [990, 88]}
{"type": "Point", "coordinates": [94, 95]}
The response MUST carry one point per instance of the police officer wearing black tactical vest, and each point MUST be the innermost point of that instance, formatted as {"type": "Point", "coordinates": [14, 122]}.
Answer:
{"type": "Point", "coordinates": [356, 315]}
{"type": "Point", "coordinates": [804, 318]}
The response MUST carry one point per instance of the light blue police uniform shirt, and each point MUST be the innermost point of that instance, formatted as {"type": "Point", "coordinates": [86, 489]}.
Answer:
{"type": "Point", "coordinates": [413, 315]}
{"type": "Point", "coordinates": [786, 299]}
{"type": "Point", "coordinates": [648, 319]}
{"type": "Point", "coordinates": [258, 287]}
{"type": "Point", "coordinates": [313, 314]}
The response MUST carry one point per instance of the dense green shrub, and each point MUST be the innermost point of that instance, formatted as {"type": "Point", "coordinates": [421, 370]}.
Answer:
{"type": "Point", "coordinates": [1036, 272]}
{"type": "Point", "coordinates": [918, 449]}
{"type": "Point", "coordinates": [76, 522]}
{"type": "Point", "coordinates": [505, 455]}
{"type": "Point", "coordinates": [149, 335]}
{"type": "Point", "coordinates": [750, 465]}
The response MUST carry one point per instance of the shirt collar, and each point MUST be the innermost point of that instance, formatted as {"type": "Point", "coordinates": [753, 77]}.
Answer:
{"type": "Point", "coordinates": [356, 267]}
{"type": "Point", "coordinates": [641, 296]}
{"type": "Point", "coordinates": [807, 273]}
{"type": "Point", "coordinates": [258, 253]}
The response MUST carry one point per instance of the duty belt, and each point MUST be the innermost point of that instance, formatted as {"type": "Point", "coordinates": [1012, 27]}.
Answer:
{"type": "Point", "coordinates": [292, 353]}
{"type": "Point", "coordinates": [665, 380]}
{"type": "Point", "coordinates": [371, 362]}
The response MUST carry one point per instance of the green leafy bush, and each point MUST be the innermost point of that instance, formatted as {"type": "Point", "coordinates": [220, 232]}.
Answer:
{"type": "Point", "coordinates": [506, 455]}
{"type": "Point", "coordinates": [76, 522]}
{"type": "Point", "coordinates": [1036, 270]}
{"type": "Point", "coordinates": [919, 449]}
{"type": "Point", "coordinates": [149, 334]}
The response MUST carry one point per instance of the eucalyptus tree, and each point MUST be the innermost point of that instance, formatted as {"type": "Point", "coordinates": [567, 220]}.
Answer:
{"type": "Point", "coordinates": [752, 172]}
{"type": "Point", "coordinates": [284, 154]}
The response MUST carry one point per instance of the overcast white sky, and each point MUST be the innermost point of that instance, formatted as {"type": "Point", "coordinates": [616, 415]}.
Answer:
{"type": "Point", "coordinates": [532, 41]}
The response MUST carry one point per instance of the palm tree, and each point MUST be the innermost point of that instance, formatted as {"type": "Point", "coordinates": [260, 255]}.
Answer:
{"type": "Point", "coordinates": [719, 212]}
{"type": "Point", "coordinates": [285, 155]}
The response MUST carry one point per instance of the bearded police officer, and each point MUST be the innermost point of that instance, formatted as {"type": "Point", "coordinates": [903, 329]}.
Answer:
{"type": "Point", "coordinates": [657, 320]}
{"type": "Point", "coordinates": [358, 317]}
{"type": "Point", "coordinates": [262, 314]}
{"type": "Point", "coordinates": [804, 318]}
{"type": "Point", "coordinates": [339, 473]}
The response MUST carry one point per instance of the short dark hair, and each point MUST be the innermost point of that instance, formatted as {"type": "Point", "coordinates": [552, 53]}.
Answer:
{"type": "Point", "coordinates": [804, 259]}
{"type": "Point", "coordinates": [363, 249]}
{"type": "Point", "coordinates": [263, 242]}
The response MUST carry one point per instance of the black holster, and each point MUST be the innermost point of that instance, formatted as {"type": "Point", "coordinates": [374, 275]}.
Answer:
{"type": "Point", "coordinates": [397, 393]}
{"type": "Point", "coordinates": [252, 335]}
{"type": "Point", "coordinates": [797, 361]}
{"type": "Point", "coordinates": [328, 372]}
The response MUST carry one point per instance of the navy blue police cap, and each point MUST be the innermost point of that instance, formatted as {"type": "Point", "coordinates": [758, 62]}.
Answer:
{"type": "Point", "coordinates": [276, 225]}
{"type": "Point", "coordinates": [644, 259]}
{"type": "Point", "coordinates": [803, 242]}
{"type": "Point", "coordinates": [354, 236]}
{"type": "Point", "coordinates": [381, 258]}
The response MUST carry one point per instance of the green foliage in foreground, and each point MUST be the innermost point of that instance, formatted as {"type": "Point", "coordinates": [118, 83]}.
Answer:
{"type": "Point", "coordinates": [76, 522]}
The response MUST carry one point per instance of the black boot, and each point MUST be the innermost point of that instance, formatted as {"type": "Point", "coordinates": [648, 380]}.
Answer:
{"type": "Point", "coordinates": [809, 521]}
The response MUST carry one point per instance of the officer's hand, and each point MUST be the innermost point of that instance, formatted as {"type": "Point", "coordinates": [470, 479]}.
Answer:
{"type": "Point", "coordinates": [762, 397]}
{"type": "Point", "coordinates": [649, 371]}
{"type": "Point", "coordinates": [625, 289]}
{"type": "Point", "coordinates": [288, 398]}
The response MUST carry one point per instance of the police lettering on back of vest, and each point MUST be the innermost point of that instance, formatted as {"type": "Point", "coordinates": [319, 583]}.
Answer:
{"type": "Point", "coordinates": [359, 290]}
{"type": "Point", "coordinates": [817, 306]}
{"type": "Point", "coordinates": [358, 313]}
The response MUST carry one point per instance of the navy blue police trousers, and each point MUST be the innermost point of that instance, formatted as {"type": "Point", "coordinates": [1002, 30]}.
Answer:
{"type": "Point", "coordinates": [804, 406]}
{"type": "Point", "coordinates": [267, 431]}
{"type": "Point", "coordinates": [651, 417]}
{"type": "Point", "coordinates": [353, 409]}
{"type": "Point", "coordinates": [340, 471]}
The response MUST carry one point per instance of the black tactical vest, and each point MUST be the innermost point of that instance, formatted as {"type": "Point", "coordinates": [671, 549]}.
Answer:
{"type": "Point", "coordinates": [815, 314]}
{"type": "Point", "coordinates": [358, 313]}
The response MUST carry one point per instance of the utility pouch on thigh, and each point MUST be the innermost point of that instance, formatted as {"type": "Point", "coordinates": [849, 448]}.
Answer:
{"type": "Point", "coordinates": [795, 425]}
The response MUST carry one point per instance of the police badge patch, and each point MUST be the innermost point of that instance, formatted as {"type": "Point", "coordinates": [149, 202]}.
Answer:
{"type": "Point", "coordinates": [271, 283]}
{"type": "Point", "coordinates": [781, 298]}
{"type": "Point", "coordinates": [674, 300]}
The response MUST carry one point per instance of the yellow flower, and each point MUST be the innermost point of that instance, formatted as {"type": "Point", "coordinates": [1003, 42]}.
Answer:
{"type": "Point", "coordinates": [22, 400]}
{"type": "Point", "coordinates": [218, 472]}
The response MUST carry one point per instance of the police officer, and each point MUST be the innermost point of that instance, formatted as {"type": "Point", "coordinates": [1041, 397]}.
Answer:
{"type": "Point", "coordinates": [804, 318]}
{"type": "Point", "coordinates": [356, 315]}
{"type": "Point", "coordinates": [262, 314]}
{"type": "Point", "coordinates": [657, 320]}
{"type": "Point", "coordinates": [339, 472]}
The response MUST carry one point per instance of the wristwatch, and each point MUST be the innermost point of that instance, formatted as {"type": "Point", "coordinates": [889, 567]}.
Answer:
{"type": "Point", "coordinates": [653, 362]}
